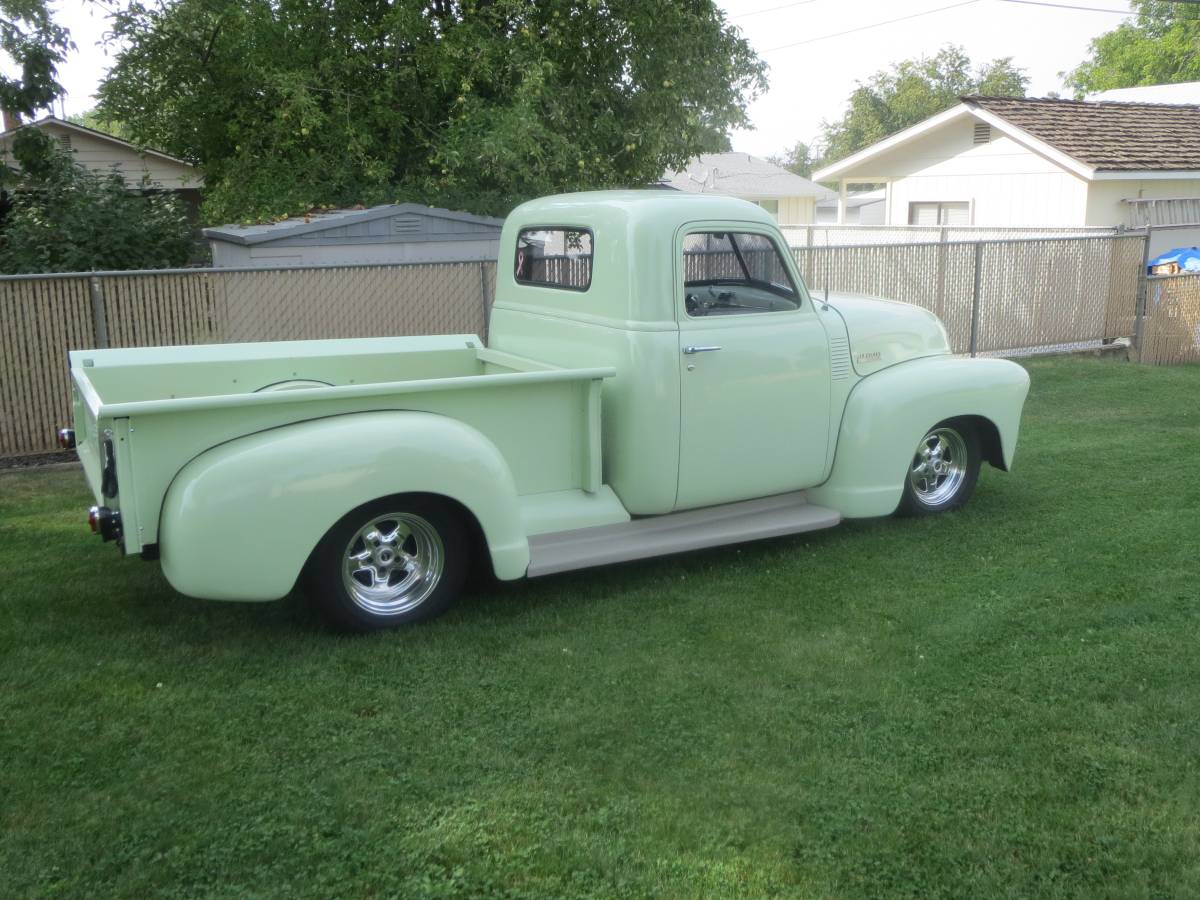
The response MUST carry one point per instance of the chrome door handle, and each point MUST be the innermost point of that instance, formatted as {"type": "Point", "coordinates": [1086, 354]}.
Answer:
{"type": "Point", "coordinates": [688, 351]}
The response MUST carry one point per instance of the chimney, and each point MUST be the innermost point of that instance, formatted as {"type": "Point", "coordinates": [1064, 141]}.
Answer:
{"type": "Point", "coordinates": [11, 119]}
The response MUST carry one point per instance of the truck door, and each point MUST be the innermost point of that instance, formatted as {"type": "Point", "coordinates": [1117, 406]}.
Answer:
{"type": "Point", "coordinates": [754, 369]}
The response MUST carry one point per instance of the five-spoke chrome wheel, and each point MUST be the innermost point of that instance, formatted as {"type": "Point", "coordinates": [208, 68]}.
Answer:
{"type": "Point", "coordinates": [390, 562]}
{"type": "Point", "coordinates": [393, 563]}
{"type": "Point", "coordinates": [939, 466]}
{"type": "Point", "coordinates": [944, 469]}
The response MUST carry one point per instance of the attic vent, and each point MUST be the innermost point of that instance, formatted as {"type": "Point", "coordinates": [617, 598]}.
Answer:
{"type": "Point", "coordinates": [983, 132]}
{"type": "Point", "coordinates": [406, 225]}
{"type": "Point", "coordinates": [64, 141]}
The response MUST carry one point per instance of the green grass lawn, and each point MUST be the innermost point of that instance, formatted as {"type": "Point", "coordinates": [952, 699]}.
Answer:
{"type": "Point", "coordinates": [999, 702]}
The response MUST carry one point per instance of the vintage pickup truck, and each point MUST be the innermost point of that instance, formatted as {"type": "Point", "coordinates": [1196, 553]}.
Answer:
{"type": "Point", "coordinates": [658, 379]}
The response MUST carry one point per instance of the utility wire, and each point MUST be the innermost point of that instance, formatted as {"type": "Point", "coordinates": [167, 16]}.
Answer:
{"type": "Point", "coordinates": [825, 37]}
{"type": "Point", "coordinates": [1119, 12]}
{"type": "Point", "coordinates": [758, 12]}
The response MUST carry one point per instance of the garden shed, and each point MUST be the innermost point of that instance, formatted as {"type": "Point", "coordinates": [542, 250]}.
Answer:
{"type": "Point", "coordinates": [395, 233]}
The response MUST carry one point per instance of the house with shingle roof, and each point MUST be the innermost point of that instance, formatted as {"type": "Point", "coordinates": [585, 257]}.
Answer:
{"type": "Point", "coordinates": [1027, 162]}
{"type": "Point", "coordinates": [790, 198]}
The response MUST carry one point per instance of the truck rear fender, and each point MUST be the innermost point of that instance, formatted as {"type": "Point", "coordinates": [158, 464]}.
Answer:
{"type": "Point", "coordinates": [888, 412]}
{"type": "Point", "coordinates": [240, 520]}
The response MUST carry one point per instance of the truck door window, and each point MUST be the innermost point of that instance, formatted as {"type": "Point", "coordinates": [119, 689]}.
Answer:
{"type": "Point", "coordinates": [554, 257]}
{"type": "Point", "coordinates": [734, 273]}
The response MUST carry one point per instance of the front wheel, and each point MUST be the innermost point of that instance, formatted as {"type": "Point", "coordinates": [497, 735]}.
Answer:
{"type": "Point", "coordinates": [943, 472]}
{"type": "Point", "coordinates": [390, 562]}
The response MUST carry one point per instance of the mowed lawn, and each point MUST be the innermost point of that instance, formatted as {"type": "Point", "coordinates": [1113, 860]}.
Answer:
{"type": "Point", "coordinates": [1002, 702]}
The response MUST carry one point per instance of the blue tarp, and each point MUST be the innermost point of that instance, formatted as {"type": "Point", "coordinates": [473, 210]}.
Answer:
{"type": "Point", "coordinates": [1188, 259]}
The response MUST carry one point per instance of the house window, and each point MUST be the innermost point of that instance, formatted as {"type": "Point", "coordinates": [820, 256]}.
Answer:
{"type": "Point", "coordinates": [956, 212]}
{"type": "Point", "coordinates": [733, 273]}
{"type": "Point", "coordinates": [983, 132]}
{"type": "Point", "coordinates": [554, 257]}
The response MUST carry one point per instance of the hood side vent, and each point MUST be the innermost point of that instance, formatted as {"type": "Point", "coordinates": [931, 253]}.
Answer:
{"type": "Point", "coordinates": [839, 358]}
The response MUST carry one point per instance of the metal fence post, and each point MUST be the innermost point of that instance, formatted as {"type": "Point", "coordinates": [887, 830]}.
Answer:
{"type": "Point", "coordinates": [99, 316]}
{"type": "Point", "coordinates": [483, 296]}
{"type": "Point", "coordinates": [941, 272]}
{"type": "Point", "coordinates": [1143, 296]}
{"type": "Point", "coordinates": [975, 297]}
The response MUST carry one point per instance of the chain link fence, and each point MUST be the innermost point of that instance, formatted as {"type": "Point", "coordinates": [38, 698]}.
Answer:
{"type": "Point", "coordinates": [1000, 296]}
{"type": "Point", "coordinates": [799, 236]}
{"type": "Point", "coordinates": [1172, 321]}
{"type": "Point", "coordinates": [42, 317]}
{"type": "Point", "coordinates": [995, 297]}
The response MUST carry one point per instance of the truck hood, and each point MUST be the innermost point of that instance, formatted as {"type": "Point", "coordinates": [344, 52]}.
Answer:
{"type": "Point", "coordinates": [885, 332]}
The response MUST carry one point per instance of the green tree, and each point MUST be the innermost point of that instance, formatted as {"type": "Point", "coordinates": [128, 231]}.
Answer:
{"type": "Point", "coordinates": [800, 159]}
{"type": "Point", "coordinates": [475, 104]}
{"type": "Point", "coordinates": [910, 91]}
{"type": "Point", "coordinates": [32, 40]}
{"type": "Point", "coordinates": [1160, 46]}
{"type": "Point", "coordinates": [94, 120]}
{"type": "Point", "coordinates": [61, 217]}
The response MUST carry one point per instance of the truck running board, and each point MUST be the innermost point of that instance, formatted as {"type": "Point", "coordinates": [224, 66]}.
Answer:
{"type": "Point", "coordinates": [713, 526]}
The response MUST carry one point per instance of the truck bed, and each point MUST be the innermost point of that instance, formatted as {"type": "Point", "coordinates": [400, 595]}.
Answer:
{"type": "Point", "coordinates": [160, 407]}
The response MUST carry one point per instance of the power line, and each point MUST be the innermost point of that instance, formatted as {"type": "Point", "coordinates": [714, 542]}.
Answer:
{"type": "Point", "coordinates": [825, 37]}
{"type": "Point", "coordinates": [758, 12]}
{"type": "Point", "coordinates": [1119, 12]}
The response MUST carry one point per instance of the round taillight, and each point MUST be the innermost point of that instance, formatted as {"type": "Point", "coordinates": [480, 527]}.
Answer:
{"type": "Point", "coordinates": [94, 519]}
{"type": "Point", "coordinates": [66, 438]}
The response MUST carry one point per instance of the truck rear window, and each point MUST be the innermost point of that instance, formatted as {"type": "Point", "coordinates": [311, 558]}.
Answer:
{"type": "Point", "coordinates": [554, 257]}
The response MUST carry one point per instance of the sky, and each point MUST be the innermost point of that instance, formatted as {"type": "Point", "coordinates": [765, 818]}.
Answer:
{"type": "Point", "coordinates": [811, 82]}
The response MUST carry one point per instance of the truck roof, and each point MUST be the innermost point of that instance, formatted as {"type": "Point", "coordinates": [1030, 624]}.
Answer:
{"type": "Point", "coordinates": [632, 281]}
{"type": "Point", "coordinates": [657, 206]}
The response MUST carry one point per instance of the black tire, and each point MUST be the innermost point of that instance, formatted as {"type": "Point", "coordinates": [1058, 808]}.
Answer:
{"type": "Point", "coordinates": [419, 541]}
{"type": "Point", "coordinates": [926, 492]}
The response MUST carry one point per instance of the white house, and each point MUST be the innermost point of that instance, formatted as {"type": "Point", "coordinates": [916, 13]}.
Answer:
{"type": "Point", "coordinates": [101, 152]}
{"type": "Point", "coordinates": [1180, 92]}
{"type": "Point", "coordinates": [1005, 161]}
{"type": "Point", "coordinates": [788, 197]}
{"type": "Point", "coordinates": [862, 208]}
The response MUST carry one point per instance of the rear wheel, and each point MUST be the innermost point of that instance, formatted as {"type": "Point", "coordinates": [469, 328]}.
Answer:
{"type": "Point", "coordinates": [943, 471]}
{"type": "Point", "coordinates": [390, 562]}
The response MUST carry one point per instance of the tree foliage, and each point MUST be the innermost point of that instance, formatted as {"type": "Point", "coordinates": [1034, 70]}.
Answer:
{"type": "Point", "coordinates": [910, 91]}
{"type": "Point", "coordinates": [37, 46]}
{"type": "Point", "coordinates": [1160, 46]}
{"type": "Point", "coordinates": [62, 217]}
{"type": "Point", "coordinates": [800, 159]}
{"type": "Point", "coordinates": [474, 104]}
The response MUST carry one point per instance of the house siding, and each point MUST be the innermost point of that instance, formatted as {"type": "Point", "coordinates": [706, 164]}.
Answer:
{"type": "Point", "coordinates": [99, 155]}
{"type": "Point", "coordinates": [1105, 199]}
{"type": "Point", "coordinates": [797, 210]}
{"type": "Point", "coordinates": [1006, 184]}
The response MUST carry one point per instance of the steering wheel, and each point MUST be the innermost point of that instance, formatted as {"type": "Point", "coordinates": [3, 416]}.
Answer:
{"type": "Point", "coordinates": [692, 304]}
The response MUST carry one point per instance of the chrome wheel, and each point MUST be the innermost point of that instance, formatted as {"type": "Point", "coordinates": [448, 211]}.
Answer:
{"type": "Point", "coordinates": [393, 563]}
{"type": "Point", "coordinates": [939, 466]}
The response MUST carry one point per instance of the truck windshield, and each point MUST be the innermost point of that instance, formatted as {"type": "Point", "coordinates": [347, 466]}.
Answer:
{"type": "Point", "coordinates": [729, 272]}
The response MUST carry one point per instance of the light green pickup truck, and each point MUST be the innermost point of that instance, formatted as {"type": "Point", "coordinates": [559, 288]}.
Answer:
{"type": "Point", "coordinates": [658, 380]}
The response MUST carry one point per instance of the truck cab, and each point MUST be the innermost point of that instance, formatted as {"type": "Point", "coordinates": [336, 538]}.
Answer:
{"type": "Point", "coordinates": [658, 378]}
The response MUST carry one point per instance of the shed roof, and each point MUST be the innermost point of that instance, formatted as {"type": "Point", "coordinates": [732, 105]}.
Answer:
{"type": "Point", "coordinates": [1107, 135]}
{"type": "Point", "coordinates": [741, 175]}
{"type": "Point", "coordinates": [408, 220]}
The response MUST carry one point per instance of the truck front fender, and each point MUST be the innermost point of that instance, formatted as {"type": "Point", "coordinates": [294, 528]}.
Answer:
{"type": "Point", "coordinates": [240, 520]}
{"type": "Point", "coordinates": [888, 412]}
